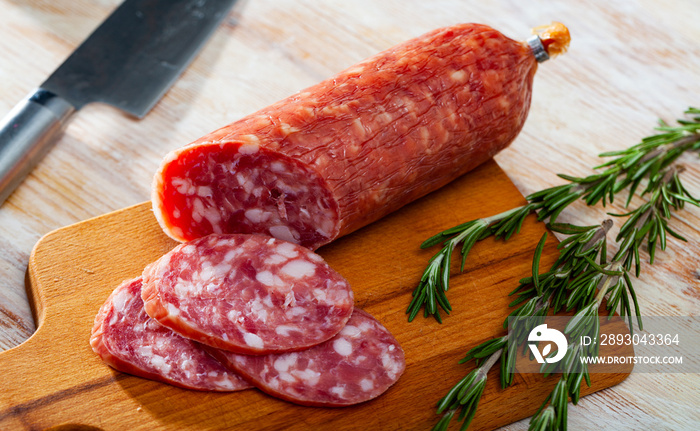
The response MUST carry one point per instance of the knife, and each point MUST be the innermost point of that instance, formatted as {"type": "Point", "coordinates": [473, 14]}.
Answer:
{"type": "Point", "coordinates": [128, 62]}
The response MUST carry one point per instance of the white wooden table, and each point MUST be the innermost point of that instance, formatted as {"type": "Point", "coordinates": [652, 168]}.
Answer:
{"type": "Point", "coordinates": [630, 62]}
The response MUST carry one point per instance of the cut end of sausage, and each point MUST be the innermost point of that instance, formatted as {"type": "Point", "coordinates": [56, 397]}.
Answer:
{"type": "Point", "coordinates": [241, 187]}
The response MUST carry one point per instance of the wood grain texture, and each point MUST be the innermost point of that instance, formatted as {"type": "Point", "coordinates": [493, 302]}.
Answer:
{"type": "Point", "coordinates": [74, 269]}
{"type": "Point", "coordinates": [630, 62]}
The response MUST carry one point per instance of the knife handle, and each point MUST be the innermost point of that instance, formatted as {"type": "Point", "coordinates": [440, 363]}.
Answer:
{"type": "Point", "coordinates": [27, 133]}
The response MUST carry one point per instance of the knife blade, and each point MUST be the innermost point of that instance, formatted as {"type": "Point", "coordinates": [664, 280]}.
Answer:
{"type": "Point", "coordinates": [129, 62]}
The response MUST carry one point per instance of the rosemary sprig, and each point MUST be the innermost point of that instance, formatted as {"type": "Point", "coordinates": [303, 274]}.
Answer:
{"type": "Point", "coordinates": [581, 279]}
{"type": "Point", "coordinates": [628, 168]}
{"type": "Point", "coordinates": [583, 244]}
{"type": "Point", "coordinates": [611, 281]}
{"type": "Point", "coordinates": [438, 271]}
{"type": "Point", "coordinates": [467, 393]}
{"type": "Point", "coordinates": [554, 415]}
{"type": "Point", "coordinates": [667, 192]}
{"type": "Point", "coordinates": [602, 280]}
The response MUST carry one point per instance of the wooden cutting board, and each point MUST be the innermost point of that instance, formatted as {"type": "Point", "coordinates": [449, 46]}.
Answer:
{"type": "Point", "coordinates": [54, 380]}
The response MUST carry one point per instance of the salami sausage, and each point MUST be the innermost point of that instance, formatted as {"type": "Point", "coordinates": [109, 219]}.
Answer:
{"type": "Point", "coordinates": [345, 152]}
{"type": "Point", "coordinates": [357, 365]}
{"type": "Point", "coordinates": [129, 341]}
{"type": "Point", "coordinates": [250, 294]}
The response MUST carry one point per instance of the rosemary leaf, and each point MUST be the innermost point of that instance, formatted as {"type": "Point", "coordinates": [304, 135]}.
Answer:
{"type": "Point", "coordinates": [536, 264]}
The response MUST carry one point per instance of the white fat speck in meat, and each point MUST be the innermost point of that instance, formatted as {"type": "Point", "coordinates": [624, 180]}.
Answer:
{"type": "Point", "coordinates": [287, 189]}
{"type": "Point", "coordinates": [309, 376]}
{"type": "Point", "coordinates": [222, 270]}
{"type": "Point", "coordinates": [231, 254]}
{"type": "Point", "coordinates": [159, 363]}
{"type": "Point", "coordinates": [339, 294]}
{"type": "Point", "coordinates": [287, 250]}
{"type": "Point", "coordinates": [283, 362]}
{"type": "Point", "coordinates": [120, 300]}
{"type": "Point", "coordinates": [296, 311]}
{"type": "Point", "coordinates": [286, 377]}
{"type": "Point", "coordinates": [186, 364]}
{"type": "Point", "coordinates": [213, 217]}
{"type": "Point", "coordinates": [359, 359]}
{"type": "Point", "coordinates": [183, 266]}
{"type": "Point", "coordinates": [342, 346]}
{"type": "Point", "coordinates": [278, 167]}
{"type": "Point", "coordinates": [184, 186]}
{"type": "Point", "coordinates": [160, 343]}
{"type": "Point", "coordinates": [314, 257]}
{"type": "Point", "coordinates": [350, 331]}
{"type": "Point", "coordinates": [248, 186]}
{"type": "Point", "coordinates": [459, 76]}
{"type": "Point", "coordinates": [253, 340]}
{"type": "Point", "coordinates": [229, 242]}
{"type": "Point", "coordinates": [138, 328]}
{"type": "Point", "coordinates": [365, 326]}
{"type": "Point", "coordinates": [284, 233]}
{"type": "Point", "coordinates": [197, 210]}
{"type": "Point", "coordinates": [257, 309]}
{"type": "Point", "coordinates": [240, 178]}
{"type": "Point", "coordinates": [284, 330]}
{"type": "Point", "coordinates": [204, 191]}
{"type": "Point", "coordinates": [265, 277]}
{"type": "Point", "coordinates": [248, 149]}
{"type": "Point", "coordinates": [366, 384]}
{"type": "Point", "coordinates": [391, 366]}
{"type": "Point", "coordinates": [226, 383]}
{"type": "Point", "coordinates": [234, 315]}
{"type": "Point", "coordinates": [299, 268]}
{"type": "Point", "coordinates": [183, 289]}
{"type": "Point", "coordinates": [145, 351]}
{"type": "Point", "coordinates": [206, 272]}
{"type": "Point", "coordinates": [320, 295]}
{"type": "Point", "coordinates": [275, 259]}
{"type": "Point", "coordinates": [326, 226]}
{"type": "Point", "coordinates": [173, 310]}
{"type": "Point", "coordinates": [288, 129]}
{"type": "Point", "coordinates": [338, 390]}
{"type": "Point", "coordinates": [256, 215]}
